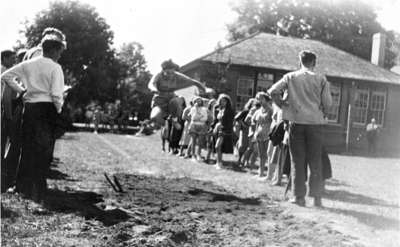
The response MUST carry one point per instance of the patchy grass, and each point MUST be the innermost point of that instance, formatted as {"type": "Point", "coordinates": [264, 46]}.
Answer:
{"type": "Point", "coordinates": [166, 201]}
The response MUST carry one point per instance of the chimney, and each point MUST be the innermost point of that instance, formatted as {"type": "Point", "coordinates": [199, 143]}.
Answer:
{"type": "Point", "coordinates": [378, 49]}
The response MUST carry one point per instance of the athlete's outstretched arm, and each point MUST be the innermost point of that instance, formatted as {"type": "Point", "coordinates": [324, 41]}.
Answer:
{"type": "Point", "coordinates": [186, 81]}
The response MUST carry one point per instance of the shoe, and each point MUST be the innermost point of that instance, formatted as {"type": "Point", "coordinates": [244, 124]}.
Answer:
{"type": "Point", "coordinates": [276, 183]}
{"type": "Point", "coordinates": [300, 201]}
{"type": "Point", "coordinates": [218, 166]}
{"type": "Point", "coordinates": [317, 202]}
{"type": "Point", "coordinates": [261, 178]}
{"type": "Point", "coordinates": [12, 190]}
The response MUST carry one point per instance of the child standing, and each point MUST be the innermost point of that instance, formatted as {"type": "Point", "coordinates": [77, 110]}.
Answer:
{"type": "Point", "coordinates": [185, 139]}
{"type": "Point", "coordinates": [197, 127]}
{"type": "Point", "coordinates": [243, 126]}
{"type": "Point", "coordinates": [211, 122]}
{"type": "Point", "coordinates": [262, 119]}
{"type": "Point", "coordinates": [251, 153]}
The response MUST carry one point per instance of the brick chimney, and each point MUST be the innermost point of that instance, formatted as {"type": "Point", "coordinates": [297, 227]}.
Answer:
{"type": "Point", "coordinates": [378, 49]}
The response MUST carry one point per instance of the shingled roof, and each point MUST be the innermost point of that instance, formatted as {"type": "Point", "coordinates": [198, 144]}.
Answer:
{"type": "Point", "coordinates": [280, 52]}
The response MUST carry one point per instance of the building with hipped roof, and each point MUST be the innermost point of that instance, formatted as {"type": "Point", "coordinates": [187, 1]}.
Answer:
{"type": "Point", "coordinates": [361, 90]}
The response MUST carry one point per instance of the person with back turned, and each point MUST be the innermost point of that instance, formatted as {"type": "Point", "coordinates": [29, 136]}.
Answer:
{"type": "Point", "coordinates": [308, 99]}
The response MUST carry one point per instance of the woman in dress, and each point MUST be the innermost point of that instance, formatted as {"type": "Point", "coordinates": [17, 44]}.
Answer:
{"type": "Point", "coordinates": [224, 128]}
{"type": "Point", "coordinates": [185, 139]}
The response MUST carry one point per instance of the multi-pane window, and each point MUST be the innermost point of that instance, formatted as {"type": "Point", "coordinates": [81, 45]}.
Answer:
{"type": "Point", "coordinates": [264, 81]}
{"type": "Point", "coordinates": [333, 111]}
{"type": "Point", "coordinates": [244, 91]}
{"type": "Point", "coordinates": [361, 106]}
{"type": "Point", "coordinates": [378, 105]}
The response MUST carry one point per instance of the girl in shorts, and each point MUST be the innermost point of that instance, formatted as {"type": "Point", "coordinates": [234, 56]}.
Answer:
{"type": "Point", "coordinates": [197, 128]}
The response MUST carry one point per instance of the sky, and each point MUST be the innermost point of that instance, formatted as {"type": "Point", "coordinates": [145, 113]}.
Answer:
{"type": "Point", "coordinates": [178, 29]}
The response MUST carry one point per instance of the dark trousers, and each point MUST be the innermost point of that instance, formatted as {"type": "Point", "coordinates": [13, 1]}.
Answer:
{"type": "Point", "coordinates": [6, 128]}
{"type": "Point", "coordinates": [371, 145]}
{"type": "Point", "coordinates": [37, 147]}
{"type": "Point", "coordinates": [305, 146]}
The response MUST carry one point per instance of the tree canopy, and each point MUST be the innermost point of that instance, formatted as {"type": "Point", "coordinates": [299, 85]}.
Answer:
{"type": "Point", "coordinates": [345, 24]}
{"type": "Point", "coordinates": [133, 88]}
{"type": "Point", "coordinates": [89, 61]}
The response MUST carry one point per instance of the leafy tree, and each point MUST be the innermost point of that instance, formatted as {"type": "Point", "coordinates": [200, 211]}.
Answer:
{"type": "Point", "coordinates": [345, 24]}
{"type": "Point", "coordinates": [88, 61]}
{"type": "Point", "coordinates": [133, 84]}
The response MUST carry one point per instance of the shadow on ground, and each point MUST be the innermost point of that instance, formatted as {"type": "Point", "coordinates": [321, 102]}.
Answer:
{"type": "Point", "coordinates": [225, 197]}
{"type": "Point", "coordinates": [82, 203]}
{"type": "Point", "coordinates": [372, 220]}
{"type": "Point", "coordinates": [336, 183]}
{"type": "Point", "coordinates": [8, 213]}
{"type": "Point", "coordinates": [55, 174]}
{"type": "Point", "coordinates": [349, 197]}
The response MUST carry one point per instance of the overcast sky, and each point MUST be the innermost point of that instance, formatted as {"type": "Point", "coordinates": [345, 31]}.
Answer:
{"type": "Point", "coordinates": [179, 29]}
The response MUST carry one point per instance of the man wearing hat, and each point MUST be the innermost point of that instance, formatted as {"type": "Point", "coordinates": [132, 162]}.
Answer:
{"type": "Point", "coordinates": [164, 84]}
{"type": "Point", "coordinates": [47, 32]}
{"type": "Point", "coordinates": [44, 79]}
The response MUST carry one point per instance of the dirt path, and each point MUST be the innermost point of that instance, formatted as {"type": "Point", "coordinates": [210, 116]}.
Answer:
{"type": "Point", "coordinates": [173, 202]}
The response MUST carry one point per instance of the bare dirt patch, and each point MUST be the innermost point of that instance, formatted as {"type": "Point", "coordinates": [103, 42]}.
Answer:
{"type": "Point", "coordinates": [181, 204]}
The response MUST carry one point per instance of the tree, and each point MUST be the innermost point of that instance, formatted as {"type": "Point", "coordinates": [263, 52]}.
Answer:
{"type": "Point", "coordinates": [345, 24]}
{"type": "Point", "coordinates": [135, 76]}
{"type": "Point", "coordinates": [89, 60]}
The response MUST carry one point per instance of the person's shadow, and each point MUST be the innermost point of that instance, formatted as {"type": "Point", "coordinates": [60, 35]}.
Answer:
{"type": "Point", "coordinates": [349, 197]}
{"type": "Point", "coordinates": [82, 203]}
{"type": "Point", "coordinates": [372, 220]}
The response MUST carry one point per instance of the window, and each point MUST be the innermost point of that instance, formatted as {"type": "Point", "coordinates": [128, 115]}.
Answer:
{"type": "Point", "coordinates": [378, 105]}
{"type": "Point", "coordinates": [361, 106]}
{"type": "Point", "coordinates": [333, 111]}
{"type": "Point", "coordinates": [264, 81]}
{"type": "Point", "coordinates": [244, 91]}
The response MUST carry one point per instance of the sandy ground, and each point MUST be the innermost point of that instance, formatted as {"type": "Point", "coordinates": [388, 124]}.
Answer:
{"type": "Point", "coordinates": [173, 202]}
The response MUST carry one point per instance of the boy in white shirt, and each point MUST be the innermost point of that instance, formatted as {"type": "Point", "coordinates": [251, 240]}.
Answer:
{"type": "Point", "coordinates": [43, 78]}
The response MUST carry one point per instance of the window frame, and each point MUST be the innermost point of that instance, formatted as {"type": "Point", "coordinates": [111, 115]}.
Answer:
{"type": "Point", "coordinates": [267, 77]}
{"type": "Point", "coordinates": [238, 94]}
{"type": "Point", "coordinates": [366, 108]}
{"type": "Point", "coordinates": [379, 93]}
{"type": "Point", "coordinates": [339, 86]}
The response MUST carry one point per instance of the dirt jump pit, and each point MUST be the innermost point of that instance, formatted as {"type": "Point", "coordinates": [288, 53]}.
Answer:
{"type": "Point", "coordinates": [187, 212]}
{"type": "Point", "coordinates": [158, 211]}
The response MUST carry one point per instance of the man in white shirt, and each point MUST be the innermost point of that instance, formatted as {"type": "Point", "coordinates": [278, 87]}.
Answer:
{"type": "Point", "coordinates": [372, 130]}
{"type": "Point", "coordinates": [43, 78]}
{"type": "Point", "coordinates": [308, 98]}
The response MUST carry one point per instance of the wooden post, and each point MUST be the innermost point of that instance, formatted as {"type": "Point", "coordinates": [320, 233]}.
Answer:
{"type": "Point", "coordinates": [349, 115]}
{"type": "Point", "coordinates": [348, 127]}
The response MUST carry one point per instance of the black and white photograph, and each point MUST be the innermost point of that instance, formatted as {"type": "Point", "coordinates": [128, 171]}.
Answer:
{"type": "Point", "coordinates": [188, 123]}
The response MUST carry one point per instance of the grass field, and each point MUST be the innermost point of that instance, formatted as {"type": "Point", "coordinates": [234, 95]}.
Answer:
{"type": "Point", "coordinates": [168, 201]}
